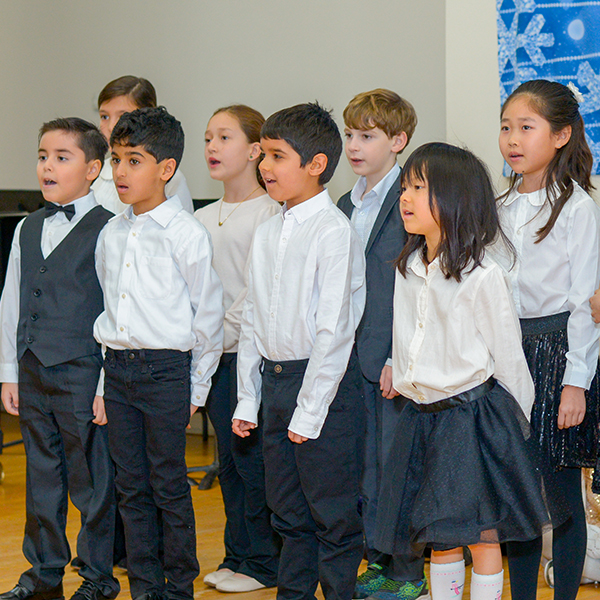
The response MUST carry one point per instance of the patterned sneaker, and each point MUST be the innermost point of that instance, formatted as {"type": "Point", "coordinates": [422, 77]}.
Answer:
{"type": "Point", "coordinates": [370, 581]}
{"type": "Point", "coordinates": [402, 590]}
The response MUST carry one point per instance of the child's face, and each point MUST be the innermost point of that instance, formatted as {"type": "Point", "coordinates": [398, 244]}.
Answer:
{"type": "Point", "coordinates": [285, 179]}
{"type": "Point", "coordinates": [139, 179]}
{"type": "Point", "coordinates": [371, 152]}
{"type": "Point", "coordinates": [526, 141]}
{"type": "Point", "coordinates": [111, 111]}
{"type": "Point", "coordinates": [416, 212]}
{"type": "Point", "coordinates": [226, 148]}
{"type": "Point", "coordinates": [62, 170]}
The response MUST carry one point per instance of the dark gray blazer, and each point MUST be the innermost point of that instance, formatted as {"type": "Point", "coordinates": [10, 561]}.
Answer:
{"type": "Point", "coordinates": [374, 334]}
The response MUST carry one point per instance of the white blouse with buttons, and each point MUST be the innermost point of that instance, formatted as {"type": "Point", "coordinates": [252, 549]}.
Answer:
{"type": "Point", "coordinates": [450, 336]}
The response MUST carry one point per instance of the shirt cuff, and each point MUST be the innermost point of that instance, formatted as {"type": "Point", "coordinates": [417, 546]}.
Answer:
{"type": "Point", "coordinates": [199, 393]}
{"type": "Point", "coordinates": [246, 410]}
{"type": "Point", "coordinates": [577, 378]}
{"type": "Point", "coordinates": [9, 373]}
{"type": "Point", "coordinates": [306, 424]}
{"type": "Point", "coordinates": [388, 362]}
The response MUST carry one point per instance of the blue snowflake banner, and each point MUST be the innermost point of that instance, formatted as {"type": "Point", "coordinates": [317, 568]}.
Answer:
{"type": "Point", "coordinates": [559, 41]}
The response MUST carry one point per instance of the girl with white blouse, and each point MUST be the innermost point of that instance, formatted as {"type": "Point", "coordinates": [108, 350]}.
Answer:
{"type": "Point", "coordinates": [232, 152]}
{"type": "Point", "coordinates": [553, 224]}
{"type": "Point", "coordinates": [117, 97]}
{"type": "Point", "coordinates": [461, 472]}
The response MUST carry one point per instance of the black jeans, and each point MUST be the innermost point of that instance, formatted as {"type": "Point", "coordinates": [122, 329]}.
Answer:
{"type": "Point", "coordinates": [66, 454]}
{"type": "Point", "coordinates": [313, 487]}
{"type": "Point", "coordinates": [251, 545]}
{"type": "Point", "coordinates": [147, 399]}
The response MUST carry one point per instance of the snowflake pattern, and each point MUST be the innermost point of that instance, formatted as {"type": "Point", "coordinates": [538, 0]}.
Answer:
{"type": "Point", "coordinates": [559, 41]}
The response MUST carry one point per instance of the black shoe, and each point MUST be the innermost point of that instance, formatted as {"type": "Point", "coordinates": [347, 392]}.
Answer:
{"type": "Point", "coordinates": [150, 596]}
{"type": "Point", "coordinates": [77, 563]}
{"type": "Point", "coordinates": [20, 592]}
{"type": "Point", "coordinates": [88, 591]}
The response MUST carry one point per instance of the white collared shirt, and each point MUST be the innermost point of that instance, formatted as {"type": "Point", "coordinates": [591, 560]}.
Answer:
{"type": "Point", "coordinates": [450, 336]}
{"type": "Point", "coordinates": [367, 206]}
{"type": "Point", "coordinates": [54, 230]}
{"type": "Point", "coordinates": [560, 273]}
{"type": "Point", "coordinates": [160, 289]}
{"type": "Point", "coordinates": [306, 296]}
{"type": "Point", "coordinates": [107, 195]}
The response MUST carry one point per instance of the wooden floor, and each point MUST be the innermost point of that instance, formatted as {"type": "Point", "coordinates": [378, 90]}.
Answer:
{"type": "Point", "coordinates": [209, 523]}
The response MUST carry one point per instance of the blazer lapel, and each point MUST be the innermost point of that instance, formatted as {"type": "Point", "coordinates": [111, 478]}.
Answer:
{"type": "Point", "coordinates": [390, 202]}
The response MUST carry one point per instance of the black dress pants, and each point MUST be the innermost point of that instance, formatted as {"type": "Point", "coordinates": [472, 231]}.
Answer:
{"type": "Point", "coordinates": [67, 455]}
{"type": "Point", "coordinates": [313, 488]}
{"type": "Point", "coordinates": [147, 398]}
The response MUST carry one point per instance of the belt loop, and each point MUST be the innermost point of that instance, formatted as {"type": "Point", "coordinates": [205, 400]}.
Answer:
{"type": "Point", "coordinates": [261, 368]}
{"type": "Point", "coordinates": [143, 363]}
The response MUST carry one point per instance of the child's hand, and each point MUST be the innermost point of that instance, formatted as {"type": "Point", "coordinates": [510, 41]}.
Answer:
{"type": "Point", "coordinates": [242, 428]}
{"type": "Point", "coordinates": [385, 383]}
{"type": "Point", "coordinates": [10, 398]}
{"type": "Point", "coordinates": [595, 304]}
{"type": "Point", "coordinates": [296, 438]}
{"type": "Point", "coordinates": [572, 407]}
{"type": "Point", "coordinates": [99, 412]}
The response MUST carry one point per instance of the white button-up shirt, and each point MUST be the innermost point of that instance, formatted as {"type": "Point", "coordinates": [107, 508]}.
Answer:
{"type": "Point", "coordinates": [560, 273]}
{"type": "Point", "coordinates": [160, 289]}
{"type": "Point", "coordinates": [450, 336]}
{"type": "Point", "coordinates": [306, 296]}
{"type": "Point", "coordinates": [54, 230]}
{"type": "Point", "coordinates": [367, 206]}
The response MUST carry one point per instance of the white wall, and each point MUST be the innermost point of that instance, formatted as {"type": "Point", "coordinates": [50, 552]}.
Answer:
{"type": "Point", "coordinates": [200, 54]}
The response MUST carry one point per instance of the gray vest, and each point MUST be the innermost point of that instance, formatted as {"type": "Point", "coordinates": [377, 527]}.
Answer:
{"type": "Point", "coordinates": [60, 294]}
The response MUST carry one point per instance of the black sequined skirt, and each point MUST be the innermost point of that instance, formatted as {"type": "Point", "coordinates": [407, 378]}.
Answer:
{"type": "Point", "coordinates": [462, 476]}
{"type": "Point", "coordinates": [545, 345]}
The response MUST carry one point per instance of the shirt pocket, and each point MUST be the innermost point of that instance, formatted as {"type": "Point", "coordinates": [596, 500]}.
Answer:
{"type": "Point", "coordinates": [155, 277]}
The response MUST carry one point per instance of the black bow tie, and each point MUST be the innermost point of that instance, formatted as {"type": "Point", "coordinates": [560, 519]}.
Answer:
{"type": "Point", "coordinates": [52, 209]}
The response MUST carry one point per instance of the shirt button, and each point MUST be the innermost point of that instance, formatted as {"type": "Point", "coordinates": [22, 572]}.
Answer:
{"type": "Point", "coordinates": [272, 315]}
{"type": "Point", "coordinates": [410, 367]}
{"type": "Point", "coordinates": [197, 397]}
{"type": "Point", "coordinates": [123, 295]}
{"type": "Point", "coordinates": [276, 276]}
{"type": "Point", "coordinates": [122, 328]}
{"type": "Point", "coordinates": [134, 234]}
{"type": "Point", "coordinates": [128, 265]}
{"type": "Point", "coordinates": [421, 325]}
{"type": "Point", "coordinates": [421, 398]}
{"type": "Point", "coordinates": [200, 373]}
{"type": "Point", "coordinates": [284, 239]}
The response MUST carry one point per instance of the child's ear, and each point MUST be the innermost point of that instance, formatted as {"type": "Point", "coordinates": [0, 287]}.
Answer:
{"type": "Point", "coordinates": [400, 142]}
{"type": "Point", "coordinates": [94, 168]}
{"type": "Point", "coordinates": [169, 167]}
{"type": "Point", "coordinates": [563, 137]}
{"type": "Point", "coordinates": [255, 151]}
{"type": "Point", "coordinates": [317, 165]}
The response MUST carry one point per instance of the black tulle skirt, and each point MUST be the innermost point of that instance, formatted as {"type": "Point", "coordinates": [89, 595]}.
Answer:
{"type": "Point", "coordinates": [462, 476]}
{"type": "Point", "coordinates": [546, 356]}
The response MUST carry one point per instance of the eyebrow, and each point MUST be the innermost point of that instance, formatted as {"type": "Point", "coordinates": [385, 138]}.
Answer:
{"type": "Point", "coordinates": [61, 150]}
{"type": "Point", "coordinates": [518, 119]}
{"type": "Point", "coordinates": [130, 153]}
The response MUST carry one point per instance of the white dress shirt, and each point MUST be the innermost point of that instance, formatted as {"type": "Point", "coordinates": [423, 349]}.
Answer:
{"type": "Point", "coordinates": [560, 273]}
{"type": "Point", "coordinates": [367, 206]}
{"type": "Point", "coordinates": [160, 289]}
{"type": "Point", "coordinates": [106, 191]}
{"type": "Point", "coordinates": [450, 336]}
{"type": "Point", "coordinates": [231, 243]}
{"type": "Point", "coordinates": [306, 296]}
{"type": "Point", "coordinates": [54, 230]}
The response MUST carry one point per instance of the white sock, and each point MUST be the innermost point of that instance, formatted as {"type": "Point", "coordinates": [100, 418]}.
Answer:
{"type": "Point", "coordinates": [487, 587]}
{"type": "Point", "coordinates": [447, 580]}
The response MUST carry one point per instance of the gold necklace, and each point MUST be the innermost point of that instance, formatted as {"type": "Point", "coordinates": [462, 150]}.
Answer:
{"type": "Point", "coordinates": [238, 205]}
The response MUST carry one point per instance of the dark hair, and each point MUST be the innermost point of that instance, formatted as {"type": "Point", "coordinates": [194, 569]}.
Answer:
{"type": "Point", "coordinates": [251, 122]}
{"type": "Point", "coordinates": [87, 136]}
{"type": "Point", "coordinates": [557, 104]}
{"type": "Point", "coordinates": [462, 198]}
{"type": "Point", "coordinates": [158, 132]}
{"type": "Point", "coordinates": [310, 130]}
{"type": "Point", "coordinates": [140, 90]}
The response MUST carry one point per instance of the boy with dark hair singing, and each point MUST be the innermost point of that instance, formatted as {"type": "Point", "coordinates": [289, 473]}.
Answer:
{"type": "Point", "coordinates": [50, 365]}
{"type": "Point", "coordinates": [305, 299]}
{"type": "Point", "coordinates": [163, 333]}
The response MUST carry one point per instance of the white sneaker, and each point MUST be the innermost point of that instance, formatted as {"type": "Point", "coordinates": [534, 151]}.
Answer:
{"type": "Point", "coordinates": [212, 579]}
{"type": "Point", "coordinates": [239, 583]}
